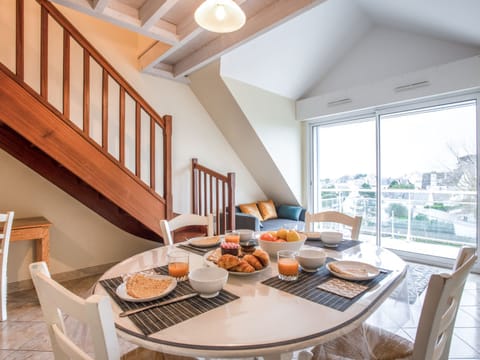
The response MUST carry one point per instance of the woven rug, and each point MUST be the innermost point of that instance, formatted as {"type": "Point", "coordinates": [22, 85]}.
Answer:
{"type": "Point", "coordinates": [418, 276]}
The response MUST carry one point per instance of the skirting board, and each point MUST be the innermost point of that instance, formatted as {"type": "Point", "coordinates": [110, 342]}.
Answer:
{"type": "Point", "coordinates": [61, 277]}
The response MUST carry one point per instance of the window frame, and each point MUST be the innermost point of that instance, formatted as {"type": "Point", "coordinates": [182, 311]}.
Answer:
{"type": "Point", "coordinates": [388, 109]}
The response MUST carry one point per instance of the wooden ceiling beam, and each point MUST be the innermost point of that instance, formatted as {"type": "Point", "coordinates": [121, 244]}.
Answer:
{"type": "Point", "coordinates": [99, 5]}
{"type": "Point", "coordinates": [153, 10]}
{"type": "Point", "coordinates": [270, 16]}
{"type": "Point", "coordinates": [126, 17]}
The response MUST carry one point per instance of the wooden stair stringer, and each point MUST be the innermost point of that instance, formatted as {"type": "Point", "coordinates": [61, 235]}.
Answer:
{"type": "Point", "coordinates": [25, 112]}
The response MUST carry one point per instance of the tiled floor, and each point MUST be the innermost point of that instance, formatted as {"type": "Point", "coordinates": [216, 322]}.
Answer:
{"type": "Point", "coordinates": [24, 335]}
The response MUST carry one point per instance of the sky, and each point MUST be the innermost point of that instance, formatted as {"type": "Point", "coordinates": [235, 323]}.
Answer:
{"type": "Point", "coordinates": [410, 142]}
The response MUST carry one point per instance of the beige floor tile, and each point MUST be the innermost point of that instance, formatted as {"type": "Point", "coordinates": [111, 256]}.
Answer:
{"type": "Point", "coordinates": [15, 334]}
{"type": "Point", "coordinates": [30, 355]}
{"type": "Point", "coordinates": [4, 354]}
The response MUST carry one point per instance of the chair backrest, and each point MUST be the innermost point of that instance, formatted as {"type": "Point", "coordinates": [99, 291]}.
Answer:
{"type": "Point", "coordinates": [6, 221]}
{"type": "Point", "coordinates": [437, 320]}
{"type": "Point", "coordinates": [180, 221]}
{"type": "Point", "coordinates": [95, 312]}
{"type": "Point", "coordinates": [352, 222]}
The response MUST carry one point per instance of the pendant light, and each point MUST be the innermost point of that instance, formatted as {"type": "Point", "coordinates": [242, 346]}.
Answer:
{"type": "Point", "coordinates": [221, 16]}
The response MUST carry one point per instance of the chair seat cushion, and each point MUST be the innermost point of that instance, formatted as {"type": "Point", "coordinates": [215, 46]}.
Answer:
{"type": "Point", "coordinates": [366, 342]}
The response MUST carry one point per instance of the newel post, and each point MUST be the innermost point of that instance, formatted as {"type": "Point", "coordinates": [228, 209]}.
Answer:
{"type": "Point", "coordinates": [231, 199]}
{"type": "Point", "coordinates": [195, 209]}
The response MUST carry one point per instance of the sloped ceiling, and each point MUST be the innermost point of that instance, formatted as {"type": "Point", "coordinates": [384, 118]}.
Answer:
{"type": "Point", "coordinates": [290, 59]}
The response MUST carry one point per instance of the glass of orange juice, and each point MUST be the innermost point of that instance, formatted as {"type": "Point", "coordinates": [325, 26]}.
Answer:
{"type": "Point", "coordinates": [232, 236]}
{"type": "Point", "coordinates": [287, 265]}
{"type": "Point", "coordinates": [178, 265]}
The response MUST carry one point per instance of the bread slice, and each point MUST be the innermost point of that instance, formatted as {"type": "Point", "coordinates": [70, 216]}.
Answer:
{"type": "Point", "coordinates": [140, 286]}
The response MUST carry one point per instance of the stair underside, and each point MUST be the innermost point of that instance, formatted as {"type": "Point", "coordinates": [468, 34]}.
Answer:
{"type": "Point", "coordinates": [37, 135]}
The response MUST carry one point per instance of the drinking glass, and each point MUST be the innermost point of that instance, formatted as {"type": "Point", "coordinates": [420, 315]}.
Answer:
{"type": "Point", "coordinates": [287, 265]}
{"type": "Point", "coordinates": [232, 236]}
{"type": "Point", "coordinates": [178, 265]}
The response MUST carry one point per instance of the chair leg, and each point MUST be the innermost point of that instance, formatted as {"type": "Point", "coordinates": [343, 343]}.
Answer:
{"type": "Point", "coordinates": [3, 298]}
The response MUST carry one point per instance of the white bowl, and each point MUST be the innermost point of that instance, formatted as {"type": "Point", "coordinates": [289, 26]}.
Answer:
{"type": "Point", "coordinates": [311, 259]}
{"type": "Point", "coordinates": [245, 234]}
{"type": "Point", "coordinates": [331, 237]}
{"type": "Point", "coordinates": [272, 247]}
{"type": "Point", "coordinates": [208, 281]}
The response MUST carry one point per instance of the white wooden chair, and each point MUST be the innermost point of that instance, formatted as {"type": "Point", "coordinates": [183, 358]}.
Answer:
{"type": "Point", "coordinates": [435, 327]}
{"type": "Point", "coordinates": [95, 312]}
{"type": "Point", "coordinates": [180, 221]}
{"type": "Point", "coordinates": [352, 222]}
{"type": "Point", "coordinates": [6, 220]}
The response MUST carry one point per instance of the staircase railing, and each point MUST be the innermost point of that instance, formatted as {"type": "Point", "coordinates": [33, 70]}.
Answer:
{"type": "Point", "coordinates": [214, 193]}
{"type": "Point", "coordinates": [123, 94]}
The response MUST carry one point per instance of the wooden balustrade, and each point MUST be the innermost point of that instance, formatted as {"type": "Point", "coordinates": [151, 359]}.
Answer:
{"type": "Point", "coordinates": [214, 193]}
{"type": "Point", "coordinates": [50, 15]}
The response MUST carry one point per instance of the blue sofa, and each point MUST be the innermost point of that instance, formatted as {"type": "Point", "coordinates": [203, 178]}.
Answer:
{"type": "Point", "coordinates": [287, 219]}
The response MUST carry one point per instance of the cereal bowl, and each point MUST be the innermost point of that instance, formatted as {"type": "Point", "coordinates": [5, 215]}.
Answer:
{"type": "Point", "coordinates": [245, 234]}
{"type": "Point", "coordinates": [208, 281]}
{"type": "Point", "coordinates": [331, 238]}
{"type": "Point", "coordinates": [311, 259]}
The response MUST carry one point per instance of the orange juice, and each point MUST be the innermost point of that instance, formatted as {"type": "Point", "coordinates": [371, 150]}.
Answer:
{"type": "Point", "coordinates": [178, 269]}
{"type": "Point", "coordinates": [288, 267]}
{"type": "Point", "coordinates": [232, 237]}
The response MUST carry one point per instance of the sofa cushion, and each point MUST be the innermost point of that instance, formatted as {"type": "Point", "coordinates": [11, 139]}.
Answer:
{"type": "Point", "coordinates": [251, 209]}
{"type": "Point", "coordinates": [267, 209]}
{"type": "Point", "coordinates": [289, 212]}
{"type": "Point", "coordinates": [280, 223]}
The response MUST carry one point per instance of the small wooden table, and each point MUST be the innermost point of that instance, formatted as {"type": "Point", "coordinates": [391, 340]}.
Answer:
{"type": "Point", "coordinates": [34, 228]}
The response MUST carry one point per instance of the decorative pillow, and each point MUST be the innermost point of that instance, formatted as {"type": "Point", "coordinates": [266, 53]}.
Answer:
{"type": "Point", "coordinates": [289, 212]}
{"type": "Point", "coordinates": [251, 209]}
{"type": "Point", "coordinates": [267, 209]}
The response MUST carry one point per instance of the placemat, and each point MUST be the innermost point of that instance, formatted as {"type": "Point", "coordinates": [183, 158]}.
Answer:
{"type": "Point", "coordinates": [196, 250]}
{"type": "Point", "coordinates": [159, 318]}
{"type": "Point", "coordinates": [306, 287]}
{"type": "Point", "coordinates": [344, 288]}
{"type": "Point", "coordinates": [344, 244]}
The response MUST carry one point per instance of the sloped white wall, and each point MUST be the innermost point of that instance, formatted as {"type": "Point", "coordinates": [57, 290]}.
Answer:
{"type": "Point", "coordinates": [273, 118]}
{"type": "Point", "coordinates": [385, 53]}
{"type": "Point", "coordinates": [80, 238]}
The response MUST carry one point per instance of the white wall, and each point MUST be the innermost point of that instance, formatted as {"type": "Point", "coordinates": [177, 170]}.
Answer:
{"type": "Point", "coordinates": [385, 53]}
{"type": "Point", "coordinates": [80, 238]}
{"type": "Point", "coordinates": [384, 60]}
{"type": "Point", "coordinates": [273, 118]}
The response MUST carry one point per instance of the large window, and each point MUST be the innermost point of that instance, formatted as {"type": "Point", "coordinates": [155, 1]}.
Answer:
{"type": "Point", "coordinates": [410, 172]}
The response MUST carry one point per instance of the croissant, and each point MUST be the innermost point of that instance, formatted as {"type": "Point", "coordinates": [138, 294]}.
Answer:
{"type": "Point", "coordinates": [244, 267]}
{"type": "Point", "coordinates": [228, 261]}
{"type": "Point", "coordinates": [252, 260]}
{"type": "Point", "coordinates": [262, 256]}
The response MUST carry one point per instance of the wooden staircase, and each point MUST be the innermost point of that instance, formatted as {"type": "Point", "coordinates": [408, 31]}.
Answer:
{"type": "Point", "coordinates": [44, 137]}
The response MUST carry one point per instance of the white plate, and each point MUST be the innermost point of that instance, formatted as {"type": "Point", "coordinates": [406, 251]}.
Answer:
{"type": "Point", "coordinates": [236, 273]}
{"type": "Point", "coordinates": [122, 291]}
{"type": "Point", "coordinates": [200, 241]}
{"type": "Point", "coordinates": [355, 270]}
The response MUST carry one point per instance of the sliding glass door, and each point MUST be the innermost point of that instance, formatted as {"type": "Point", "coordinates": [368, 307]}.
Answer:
{"type": "Point", "coordinates": [344, 176]}
{"type": "Point", "coordinates": [424, 200]}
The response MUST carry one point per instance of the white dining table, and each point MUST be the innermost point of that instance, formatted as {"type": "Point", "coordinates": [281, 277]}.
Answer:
{"type": "Point", "coordinates": [263, 321]}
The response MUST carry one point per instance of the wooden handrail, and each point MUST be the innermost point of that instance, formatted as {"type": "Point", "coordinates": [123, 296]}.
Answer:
{"type": "Point", "coordinates": [109, 75]}
{"type": "Point", "coordinates": [216, 196]}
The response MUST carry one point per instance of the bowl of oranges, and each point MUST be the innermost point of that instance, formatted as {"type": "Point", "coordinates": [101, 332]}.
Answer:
{"type": "Point", "coordinates": [283, 239]}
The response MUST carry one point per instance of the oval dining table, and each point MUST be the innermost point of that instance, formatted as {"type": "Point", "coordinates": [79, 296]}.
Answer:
{"type": "Point", "coordinates": [263, 320]}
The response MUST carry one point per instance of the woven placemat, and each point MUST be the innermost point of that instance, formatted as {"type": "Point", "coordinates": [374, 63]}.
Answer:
{"type": "Point", "coordinates": [159, 318]}
{"type": "Point", "coordinates": [196, 250]}
{"type": "Point", "coordinates": [306, 287]}
{"type": "Point", "coordinates": [344, 244]}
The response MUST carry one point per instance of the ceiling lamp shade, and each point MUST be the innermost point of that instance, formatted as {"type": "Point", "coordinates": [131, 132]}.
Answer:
{"type": "Point", "coordinates": [221, 16]}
